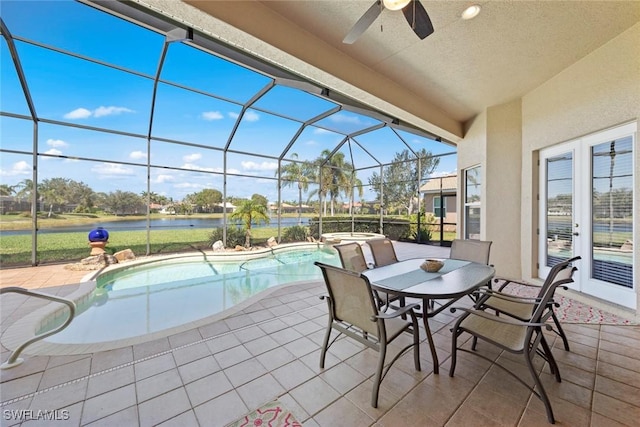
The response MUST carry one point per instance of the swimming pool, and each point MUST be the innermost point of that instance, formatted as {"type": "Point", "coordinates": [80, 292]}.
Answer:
{"type": "Point", "coordinates": [155, 296]}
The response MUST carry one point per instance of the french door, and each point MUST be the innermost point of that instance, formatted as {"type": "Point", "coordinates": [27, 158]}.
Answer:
{"type": "Point", "coordinates": [586, 209]}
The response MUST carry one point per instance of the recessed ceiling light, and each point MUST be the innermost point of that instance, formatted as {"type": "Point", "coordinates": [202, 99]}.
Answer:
{"type": "Point", "coordinates": [471, 12]}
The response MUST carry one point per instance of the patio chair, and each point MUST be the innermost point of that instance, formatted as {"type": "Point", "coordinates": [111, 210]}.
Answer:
{"type": "Point", "coordinates": [474, 251]}
{"type": "Point", "coordinates": [383, 252]}
{"type": "Point", "coordinates": [353, 312]}
{"type": "Point", "coordinates": [352, 257]}
{"type": "Point", "coordinates": [515, 336]}
{"type": "Point", "coordinates": [520, 307]}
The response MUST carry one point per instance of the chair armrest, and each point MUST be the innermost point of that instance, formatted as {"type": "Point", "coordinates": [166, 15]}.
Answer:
{"type": "Point", "coordinates": [507, 282]}
{"type": "Point", "coordinates": [487, 293]}
{"type": "Point", "coordinates": [499, 319]}
{"type": "Point", "coordinates": [401, 311]}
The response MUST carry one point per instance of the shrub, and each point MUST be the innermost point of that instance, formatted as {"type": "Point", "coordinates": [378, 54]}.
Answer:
{"type": "Point", "coordinates": [296, 233]}
{"type": "Point", "coordinates": [235, 236]}
{"type": "Point", "coordinates": [394, 228]}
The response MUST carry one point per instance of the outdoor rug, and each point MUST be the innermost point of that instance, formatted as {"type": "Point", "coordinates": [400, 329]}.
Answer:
{"type": "Point", "coordinates": [570, 310]}
{"type": "Point", "coordinates": [272, 414]}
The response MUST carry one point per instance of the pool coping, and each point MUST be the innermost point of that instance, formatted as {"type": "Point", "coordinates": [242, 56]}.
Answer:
{"type": "Point", "coordinates": [25, 328]}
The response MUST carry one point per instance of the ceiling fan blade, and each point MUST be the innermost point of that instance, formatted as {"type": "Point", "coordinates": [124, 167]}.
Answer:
{"type": "Point", "coordinates": [418, 19]}
{"type": "Point", "coordinates": [363, 23]}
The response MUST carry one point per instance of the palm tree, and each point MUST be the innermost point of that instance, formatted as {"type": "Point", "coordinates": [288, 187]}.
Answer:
{"type": "Point", "coordinates": [336, 173]}
{"type": "Point", "coordinates": [298, 173]}
{"type": "Point", "coordinates": [357, 185]}
{"type": "Point", "coordinates": [6, 190]}
{"type": "Point", "coordinates": [248, 212]}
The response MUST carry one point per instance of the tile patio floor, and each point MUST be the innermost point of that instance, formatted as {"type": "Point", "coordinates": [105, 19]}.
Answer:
{"type": "Point", "coordinates": [214, 374]}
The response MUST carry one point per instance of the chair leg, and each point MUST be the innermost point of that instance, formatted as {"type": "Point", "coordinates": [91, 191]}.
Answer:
{"type": "Point", "coordinates": [378, 377]}
{"type": "Point", "coordinates": [542, 394]}
{"type": "Point", "coordinates": [474, 343]}
{"type": "Point", "coordinates": [560, 330]}
{"type": "Point", "coordinates": [454, 352]}
{"type": "Point", "coordinates": [416, 346]}
{"type": "Point", "coordinates": [325, 345]}
{"type": "Point", "coordinates": [553, 366]}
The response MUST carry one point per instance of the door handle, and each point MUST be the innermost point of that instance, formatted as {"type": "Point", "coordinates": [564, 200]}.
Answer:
{"type": "Point", "coordinates": [575, 233]}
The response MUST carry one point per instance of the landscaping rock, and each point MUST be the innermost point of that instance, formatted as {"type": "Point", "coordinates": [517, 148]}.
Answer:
{"type": "Point", "coordinates": [218, 246]}
{"type": "Point", "coordinates": [271, 242]}
{"type": "Point", "coordinates": [124, 255]}
{"type": "Point", "coordinates": [240, 248]}
{"type": "Point", "coordinates": [95, 262]}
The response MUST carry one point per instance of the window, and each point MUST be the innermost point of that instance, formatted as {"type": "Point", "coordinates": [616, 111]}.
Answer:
{"type": "Point", "coordinates": [439, 209]}
{"type": "Point", "coordinates": [472, 190]}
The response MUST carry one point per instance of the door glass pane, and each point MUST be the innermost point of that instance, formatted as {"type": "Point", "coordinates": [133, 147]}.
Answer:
{"type": "Point", "coordinates": [611, 207]}
{"type": "Point", "coordinates": [559, 216]}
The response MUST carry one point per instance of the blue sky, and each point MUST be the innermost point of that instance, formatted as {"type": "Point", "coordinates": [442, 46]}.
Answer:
{"type": "Point", "coordinates": [77, 91]}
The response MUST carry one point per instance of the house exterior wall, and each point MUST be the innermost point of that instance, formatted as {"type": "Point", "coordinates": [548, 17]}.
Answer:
{"type": "Point", "coordinates": [597, 92]}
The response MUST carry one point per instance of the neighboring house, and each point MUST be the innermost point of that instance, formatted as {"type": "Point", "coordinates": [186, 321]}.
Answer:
{"type": "Point", "coordinates": [227, 206]}
{"type": "Point", "coordinates": [440, 199]}
{"type": "Point", "coordinates": [287, 208]}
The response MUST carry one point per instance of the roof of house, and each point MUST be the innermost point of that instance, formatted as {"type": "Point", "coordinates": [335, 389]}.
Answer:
{"type": "Point", "coordinates": [448, 184]}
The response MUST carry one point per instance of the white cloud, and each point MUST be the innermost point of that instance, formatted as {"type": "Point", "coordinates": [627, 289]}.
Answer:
{"type": "Point", "coordinates": [56, 143]}
{"type": "Point", "coordinates": [161, 179]}
{"type": "Point", "coordinates": [189, 185]}
{"type": "Point", "coordinates": [259, 166]}
{"type": "Point", "coordinates": [110, 111]}
{"type": "Point", "coordinates": [53, 152]}
{"type": "Point", "coordinates": [78, 113]}
{"type": "Point", "coordinates": [18, 168]}
{"type": "Point", "coordinates": [343, 118]}
{"type": "Point", "coordinates": [190, 158]}
{"type": "Point", "coordinates": [250, 116]}
{"type": "Point", "coordinates": [320, 131]}
{"type": "Point", "coordinates": [112, 170]}
{"type": "Point", "coordinates": [137, 155]}
{"type": "Point", "coordinates": [191, 166]}
{"type": "Point", "coordinates": [83, 113]}
{"type": "Point", "coordinates": [212, 115]}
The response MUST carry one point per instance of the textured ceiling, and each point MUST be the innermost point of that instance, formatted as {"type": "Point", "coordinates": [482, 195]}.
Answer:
{"type": "Point", "coordinates": [454, 74]}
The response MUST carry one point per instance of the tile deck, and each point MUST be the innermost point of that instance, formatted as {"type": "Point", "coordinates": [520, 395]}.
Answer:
{"type": "Point", "coordinates": [213, 374]}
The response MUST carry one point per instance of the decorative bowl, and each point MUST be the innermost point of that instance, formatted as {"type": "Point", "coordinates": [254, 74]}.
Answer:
{"type": "Point", "coordinates": [432, 265]}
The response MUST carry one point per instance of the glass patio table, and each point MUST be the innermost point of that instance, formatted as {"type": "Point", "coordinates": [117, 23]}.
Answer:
{"type": "Point", "coordinates": [455, 279]}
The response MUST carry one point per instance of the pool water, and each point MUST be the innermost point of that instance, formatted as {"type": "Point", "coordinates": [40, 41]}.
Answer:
{"type": "Point", "coordinates": [156, 296]}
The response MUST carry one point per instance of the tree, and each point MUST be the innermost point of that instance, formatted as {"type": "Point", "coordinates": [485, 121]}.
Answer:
{"type": "Point", "coordinates": [334, 179]}
{"type": "Point", "coordinates": [24, 189]}
{"type": "Point", "coordinates": [53, 192]}
{"type": "Point", "coordinates": [6, 190]}
{"type": "Point", "coordinates": [65, 191]}
{"type": "Point", "coordinates": [399, 181]}
{"type": "Point", "coordinates": [206, 200]}
{"type": "Point", "coordinates": [260, 199]}
{"type": "Point", "coordinates": [248, 212]}
{"type": "Point", "coordinates": [296, 174]}
{"type": "Point", "coordinates": [357, 185]}
{"type": "Point", "coordinates": [124, 202]}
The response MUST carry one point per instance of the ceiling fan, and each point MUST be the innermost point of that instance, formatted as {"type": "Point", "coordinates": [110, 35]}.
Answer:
{"type": "Point", "coordinates": [413, 11]}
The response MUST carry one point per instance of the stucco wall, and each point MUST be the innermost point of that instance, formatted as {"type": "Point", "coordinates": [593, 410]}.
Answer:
{"type": "Point", "coordinates": [598, 92]}
{"type": "Point", "coordinates": [472, 151]}
{"type": "Point", "coordinates": [503, 186]}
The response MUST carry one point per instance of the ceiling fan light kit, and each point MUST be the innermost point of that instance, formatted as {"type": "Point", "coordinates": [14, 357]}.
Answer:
{"type": "Point", "coordinates": [395, 4]}
{"type": "Point", "coordinates": [413, 11]}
